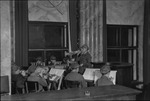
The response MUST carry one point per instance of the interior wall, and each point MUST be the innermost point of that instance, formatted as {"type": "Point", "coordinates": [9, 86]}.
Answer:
{"type": "Point", "coordinates": [128, 12]}
{"type": "Point", "coordinates": [5, 39]}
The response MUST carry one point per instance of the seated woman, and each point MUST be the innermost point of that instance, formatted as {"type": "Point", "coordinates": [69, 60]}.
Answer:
{"type": "Point", "coordinates": [104, 80]}
{"type": "Point", "coordinates": [75, 76]}
{"type": "Point", "coordinates": [39, 75]}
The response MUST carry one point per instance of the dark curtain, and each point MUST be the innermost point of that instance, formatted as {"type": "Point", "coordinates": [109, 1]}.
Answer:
{"type": "Point", "coordinates": [21, 32]}
{"type": "Point", "coordinates": [146, 43]}
{"type": "Point", "coordinates": [73, 14]}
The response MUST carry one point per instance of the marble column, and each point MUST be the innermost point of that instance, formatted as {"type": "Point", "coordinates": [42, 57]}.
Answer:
{"type": "Point", "coordinates": [91, 27]}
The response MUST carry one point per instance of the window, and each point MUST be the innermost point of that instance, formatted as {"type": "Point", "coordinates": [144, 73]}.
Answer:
{"type": "Point", "coordinates": [122, 44]}
{"type": "Point", "coordinates": [46, 39]}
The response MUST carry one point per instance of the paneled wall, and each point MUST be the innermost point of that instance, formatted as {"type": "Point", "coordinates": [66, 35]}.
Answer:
{"type": "Point", "coordinates": [91, 27]}
{"type": "Point", "coordinates": [128, 12]}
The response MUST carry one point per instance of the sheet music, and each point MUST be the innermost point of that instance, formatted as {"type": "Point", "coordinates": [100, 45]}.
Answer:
{"type": "Point", "coordinates": [57, 73]}
{"type": "Point", "coordinates": [89, 73]}
{"type": "Point", "coordinates": [113, 76]}
{"type": "Point", "coordinates": [94, 74]}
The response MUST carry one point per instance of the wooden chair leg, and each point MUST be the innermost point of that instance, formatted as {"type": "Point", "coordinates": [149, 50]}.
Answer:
{"type": "Point", "coordinates": [23, 90]}
{"type": "Point", "coordinates": [60, 81]}
{"type": "Point", "coordinates": [36, 87]}
{"type": "Point", "coordinates": [26, 86]}
{"type": "Point", "coordinates": [49, 86]}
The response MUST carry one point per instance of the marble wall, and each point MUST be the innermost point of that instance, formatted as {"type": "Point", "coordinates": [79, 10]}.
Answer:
{"type": "Point", "coordinates": [48, 10]}
{"type": "Point", "coordinates": [91, 27]}
{"type": "Point", "coordinates": [5, 38]}
{"type": "Point", "coordinates": [128, 12]}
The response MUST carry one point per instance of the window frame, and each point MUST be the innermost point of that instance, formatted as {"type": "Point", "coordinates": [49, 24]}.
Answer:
{"type": "Point", "coordinates": [133, 48]}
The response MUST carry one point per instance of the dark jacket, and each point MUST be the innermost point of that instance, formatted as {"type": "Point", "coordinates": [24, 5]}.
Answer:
{"type": "Point", "coordinates": [74, 76]}
{"type": "Point", "coordinates": [84, 59]}
{"type": "Point", "coordinates": [104, 81]}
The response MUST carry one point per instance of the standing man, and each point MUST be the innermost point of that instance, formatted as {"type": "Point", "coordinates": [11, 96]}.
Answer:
{"type": "Point", "coordinates": [84, 58]}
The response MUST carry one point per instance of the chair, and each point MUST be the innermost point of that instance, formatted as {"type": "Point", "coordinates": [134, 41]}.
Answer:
{"type": "Point", "coordinates": [4, 90]}
{"type": "Point", "coordinates": [72, 84]}
{"type": "Point", "coordinates": [31, 86]}
{"type": "Point", "coordinates": [15, 90]}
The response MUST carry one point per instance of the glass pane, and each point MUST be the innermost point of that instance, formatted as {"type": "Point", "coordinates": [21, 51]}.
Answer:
{"type": "Point", "coordinates": [130, 37]}
{"type": "Point", "coordinates": [127, 56]}
{"type": "Point", "coordinates": [54, 36]}
{"type": "Point", "coordinates": [44, 35]}
{"type": "Point", "coordinates": [112, 36]}
{"type": "Point", "coordinates": [36, 37]}
{"type": "Point", "coordinates": [124, 37]}
{"type": "Point", "coordinates": [113, 55]}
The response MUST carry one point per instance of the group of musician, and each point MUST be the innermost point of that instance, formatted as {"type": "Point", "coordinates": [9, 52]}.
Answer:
{"type": "Point", "coordinates": [77, 62]}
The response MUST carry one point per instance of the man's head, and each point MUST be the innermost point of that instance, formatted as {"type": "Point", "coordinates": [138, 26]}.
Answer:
{"type": "Point", "coordinates": [53, 59]}
{"type": "Point", "coordinates": [105, 69]}
{"type": "Point", "coordinates": [46, 69]}
{"type": "Point", "coordinates": [39, 61]}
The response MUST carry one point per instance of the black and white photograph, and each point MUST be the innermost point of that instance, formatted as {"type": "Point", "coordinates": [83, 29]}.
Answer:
{"type": "Point", "coordinates": [67, 50]}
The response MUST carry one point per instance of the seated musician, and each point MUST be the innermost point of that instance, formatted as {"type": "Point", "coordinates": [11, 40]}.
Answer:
{"type": "Point", "coordinates": [18, 76]}
{"type": "Point", "coordinates": [33, 66]}
{"type": "Point", "coordinates": [75, 76]}
{"type": "Point", "coordinates": [52, 61]}
{"type": "Point", "coordinates": [39, 75]}
{"type": "Point", "coordinates": [104, 80]}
